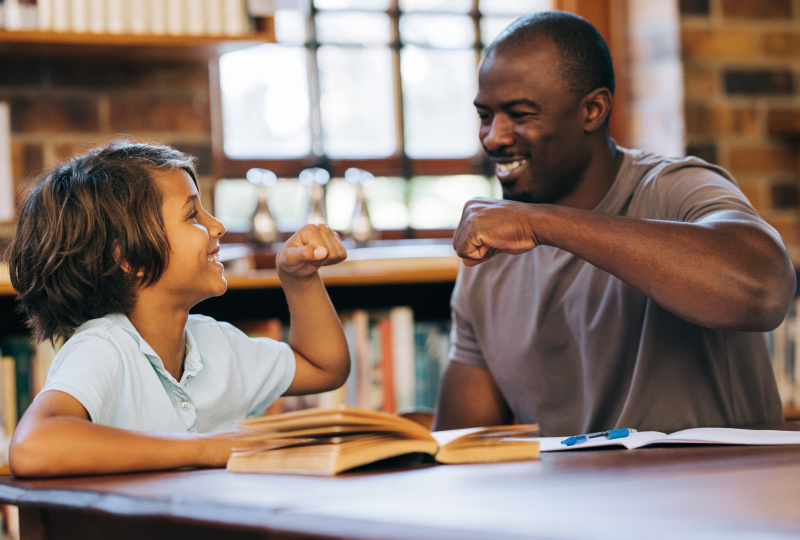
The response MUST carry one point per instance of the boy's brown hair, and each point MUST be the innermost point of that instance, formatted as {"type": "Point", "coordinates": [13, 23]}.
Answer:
{"type": "Point", "coordinates": [91, 230]}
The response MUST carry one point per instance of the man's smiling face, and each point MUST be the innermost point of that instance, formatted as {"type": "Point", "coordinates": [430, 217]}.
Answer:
{"type": "Point", "coordinates": [531, 125]}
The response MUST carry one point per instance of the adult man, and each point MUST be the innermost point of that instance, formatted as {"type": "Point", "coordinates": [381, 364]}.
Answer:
{"type": "Point", "coordinates": [643, 302]}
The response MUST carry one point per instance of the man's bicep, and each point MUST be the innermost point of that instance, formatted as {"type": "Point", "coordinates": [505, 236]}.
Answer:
{"type": "Point", "coordinates": [469, 397]}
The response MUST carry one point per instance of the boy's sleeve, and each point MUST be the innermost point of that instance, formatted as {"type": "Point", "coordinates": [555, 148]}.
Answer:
{"type": "Point", "coordinates": [88, 369]}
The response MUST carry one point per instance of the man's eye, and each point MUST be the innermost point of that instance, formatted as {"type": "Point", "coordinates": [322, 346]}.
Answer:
{"type": "Point", "coordinates": [193, 215]}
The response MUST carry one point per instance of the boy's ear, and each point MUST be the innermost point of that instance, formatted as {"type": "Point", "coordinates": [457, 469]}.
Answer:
{"type": "Point", "coordinates": [124, 264]}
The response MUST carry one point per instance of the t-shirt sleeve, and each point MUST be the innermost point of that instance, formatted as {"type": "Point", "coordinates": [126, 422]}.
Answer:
{"type": "Point", "coordinates": [88, 368]}
{"type": "Point", "coordinates": [689, 191]}
{"type": "Point", "coordinates": [268, 367]}
{"type": "Point", "coordinates": [463, 342]}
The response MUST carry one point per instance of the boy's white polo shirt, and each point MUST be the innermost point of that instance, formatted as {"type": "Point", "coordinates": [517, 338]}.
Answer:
{"type": "Point", "coordinates": [120, 380]}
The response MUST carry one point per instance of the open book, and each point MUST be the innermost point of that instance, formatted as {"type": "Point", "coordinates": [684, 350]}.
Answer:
{"type": "Point", "coordinates": [327, 441]}
{"type": "Point", "coordinates": [711, 435]}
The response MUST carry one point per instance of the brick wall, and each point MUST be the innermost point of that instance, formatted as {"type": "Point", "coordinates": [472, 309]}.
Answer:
{"type": "Point", "coordinates": [741, 63]}
{"type": "Point", "coordinates": [59, 107]}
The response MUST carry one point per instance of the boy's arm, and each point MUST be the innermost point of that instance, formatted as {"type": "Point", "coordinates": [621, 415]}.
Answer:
{"type": "Point", "coordinates": [56, 438]}
{"type": "Point", "coordinates": [315, 331]}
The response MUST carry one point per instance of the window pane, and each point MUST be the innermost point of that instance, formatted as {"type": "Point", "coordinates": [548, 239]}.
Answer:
{"type": "Point", "coordinates": [367, 5]}
{"type": "Point", "coordinates": [438, 90]}
{"type": "Point", "coordinates": [452, 6]}
{"type": "Point", "coordinates": [437, 202]}
{"type": "Point", "coordinates": [357, 102]}
{"type": "Point", "coordinates": [441, 31]}
{"type": "Point", "coordinates": [235, 201]}
{"type": "Point", "coordinates": [265, 102]}
{"type": "Point", "coordinates": [290, 26]}
{"type": "Point", "coordinates": [492, 26]}
{"type": "Point", "coordinates": [340, 200]}
{"type": "Point", "coordinates": [514, 7]}
{"type": "Point", "coordinates": [353, 27]}
{"type": "Point", "coordinates": [386, 201]}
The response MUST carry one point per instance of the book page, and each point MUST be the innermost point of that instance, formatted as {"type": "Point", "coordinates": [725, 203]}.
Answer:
{"type": "Point", "coordinates": [636, 440]}
{"type": "Point", "coordinates": [687, 436]}
{"type": "Point", "coordinates": [732, 436]}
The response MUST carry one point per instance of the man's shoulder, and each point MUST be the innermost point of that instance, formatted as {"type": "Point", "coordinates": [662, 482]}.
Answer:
{"type": "Point", "coordinates": [650, 166]}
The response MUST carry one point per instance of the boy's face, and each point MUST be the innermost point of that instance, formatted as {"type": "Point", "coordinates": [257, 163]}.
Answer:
{"type": "Point", "coordinates": [193, 272]}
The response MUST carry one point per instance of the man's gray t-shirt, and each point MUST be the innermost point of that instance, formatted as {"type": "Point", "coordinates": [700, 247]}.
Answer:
{"type": "Point", "coordinates": [577, 350]}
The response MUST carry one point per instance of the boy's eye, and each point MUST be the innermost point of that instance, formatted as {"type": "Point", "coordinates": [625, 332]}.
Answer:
{"type": "Point", "coordinates": [193, 215]}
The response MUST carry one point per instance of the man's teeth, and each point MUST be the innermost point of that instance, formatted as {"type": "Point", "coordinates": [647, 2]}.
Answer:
{"type": "Point", "coordinates": [507, 167]}
{"type": "Point", "coordinates": [214, 257]}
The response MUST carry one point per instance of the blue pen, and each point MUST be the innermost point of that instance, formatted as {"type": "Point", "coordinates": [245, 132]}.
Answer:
{"type": "Point", "coordinates": [610, 434]}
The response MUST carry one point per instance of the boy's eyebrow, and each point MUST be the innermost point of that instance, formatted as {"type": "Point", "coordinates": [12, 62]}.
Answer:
{"type": "Point", "coordinates": [191, 199]}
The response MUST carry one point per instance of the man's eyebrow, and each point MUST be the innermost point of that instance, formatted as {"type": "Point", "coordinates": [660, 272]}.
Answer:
{"type": "Point", "coordinates": [511, 104]}
{"type": "Point", "coordinates": [524, 102]}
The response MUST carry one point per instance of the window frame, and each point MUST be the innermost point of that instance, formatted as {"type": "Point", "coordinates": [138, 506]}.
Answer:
{"type": "Point", "coordinates": [609, 16]}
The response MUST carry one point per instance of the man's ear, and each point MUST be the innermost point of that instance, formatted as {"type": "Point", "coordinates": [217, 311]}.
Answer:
{"type": "Point", "coordinates": [597, 107]}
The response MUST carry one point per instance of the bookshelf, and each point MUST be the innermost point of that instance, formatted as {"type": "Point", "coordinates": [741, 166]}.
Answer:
{"type": "Point", "coordinates": [34, 44]}
{"type": "Point", "coordinates": [417, 273]}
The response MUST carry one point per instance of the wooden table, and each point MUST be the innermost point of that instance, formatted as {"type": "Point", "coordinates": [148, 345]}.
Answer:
{"type": "Point", "coordinates": [668, 492]}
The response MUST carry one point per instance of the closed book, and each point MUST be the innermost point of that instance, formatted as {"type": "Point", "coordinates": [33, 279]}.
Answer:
{"type": "Point", "coordinates": [22, 351]}
{"type": "Point", "coordinates": [8, 387]}
{"type": "Point", "coordinates": [387, 364]}
{"type": "Point", "coordinates": [330, 441]}
{"type": "Point", "coordinates": [401, 319]}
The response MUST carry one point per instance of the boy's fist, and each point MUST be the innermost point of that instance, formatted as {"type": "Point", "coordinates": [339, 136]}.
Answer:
{"type": "Point", "coordinates": [308, 249]}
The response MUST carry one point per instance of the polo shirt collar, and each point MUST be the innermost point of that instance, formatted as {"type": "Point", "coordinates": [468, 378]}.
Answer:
{"type": "Point", "coordinates": [192, 362]}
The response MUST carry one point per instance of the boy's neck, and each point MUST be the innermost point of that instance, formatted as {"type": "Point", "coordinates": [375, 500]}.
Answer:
{"type": "Point", "coordinates": [165, 331]}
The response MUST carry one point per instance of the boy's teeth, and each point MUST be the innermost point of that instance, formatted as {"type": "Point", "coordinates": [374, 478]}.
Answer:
{"type": "Point", "coordinates": [214, 258]}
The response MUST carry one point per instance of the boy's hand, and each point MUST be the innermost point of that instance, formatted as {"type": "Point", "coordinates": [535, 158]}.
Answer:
{"type": "Point", "coordinates": [308, 249]}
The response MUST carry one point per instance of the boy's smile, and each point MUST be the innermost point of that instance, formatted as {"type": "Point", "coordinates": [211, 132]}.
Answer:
{"type": "Point", "coordinates": [193, 271]}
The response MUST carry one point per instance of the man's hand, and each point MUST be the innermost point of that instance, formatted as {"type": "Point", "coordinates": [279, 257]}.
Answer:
{"type": "Point", "coordinates": [308, 249]}
{"type": "Point", "coordinates": [491, 226]}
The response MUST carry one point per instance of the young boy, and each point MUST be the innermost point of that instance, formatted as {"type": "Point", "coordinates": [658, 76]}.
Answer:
{"type": "Point", "coordinates": [111, 252]}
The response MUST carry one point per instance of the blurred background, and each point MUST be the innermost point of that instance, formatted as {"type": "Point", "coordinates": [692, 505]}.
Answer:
{"type": "Point", "coordinates": [387, 86]}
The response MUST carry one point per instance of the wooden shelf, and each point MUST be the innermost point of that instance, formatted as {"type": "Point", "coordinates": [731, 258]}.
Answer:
{"type": "Point", "coordinates": [381, 265]}
{"type": "Point", "coordinates": [397, 263]}
{"type": "Point", "coordinates": [125, 46]}
{"type": "Point", "coordinates": [374, 272]}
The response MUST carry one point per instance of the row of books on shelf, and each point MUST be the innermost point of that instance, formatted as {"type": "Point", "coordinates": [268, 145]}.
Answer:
{"type": "Point", "coordinates": [784, 345]}
{"type": "Point", "coordinates": [396, 361]}
{"type": "Point", "coordinates": [157, 17]}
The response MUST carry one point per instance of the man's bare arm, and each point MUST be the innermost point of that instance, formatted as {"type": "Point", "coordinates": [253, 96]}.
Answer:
{"type": "Point", "coordinates": [469, 397]}
{"type": "Point", "coordinates": [725, 271]}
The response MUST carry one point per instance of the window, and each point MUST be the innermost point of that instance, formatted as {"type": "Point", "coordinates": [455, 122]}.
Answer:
{"type": "Point", "coordinates": [382, 85]}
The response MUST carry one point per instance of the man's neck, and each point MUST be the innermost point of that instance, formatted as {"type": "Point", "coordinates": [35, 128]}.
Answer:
{"type": "Point", "coordinates": [598, 177]}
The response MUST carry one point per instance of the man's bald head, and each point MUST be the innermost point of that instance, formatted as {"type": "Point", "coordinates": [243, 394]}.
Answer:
{"type": "Point", "coordinates": [585, 59]}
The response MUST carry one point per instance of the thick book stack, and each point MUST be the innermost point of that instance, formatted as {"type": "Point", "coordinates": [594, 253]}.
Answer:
{"type": "Point", "coordinates": [156, 17]}
{"type": "Point", "coordinates": [396, 361]}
